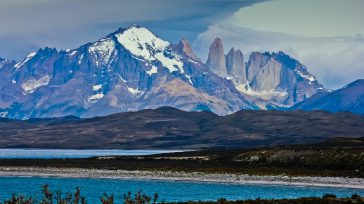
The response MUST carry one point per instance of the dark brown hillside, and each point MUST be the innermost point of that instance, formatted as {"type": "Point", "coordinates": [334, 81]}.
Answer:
{"type": "Point", "coordinates": [170, 128]}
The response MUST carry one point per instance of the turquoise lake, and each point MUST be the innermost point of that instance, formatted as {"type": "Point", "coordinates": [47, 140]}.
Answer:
{"type": "Point", "coordinates": [167, 190]}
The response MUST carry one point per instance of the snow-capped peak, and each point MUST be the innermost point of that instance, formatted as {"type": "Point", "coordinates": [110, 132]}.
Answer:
{"type": "Point", "coordinates": [140, 41]}
{"type": "Point", "coordinates": [146, 46]}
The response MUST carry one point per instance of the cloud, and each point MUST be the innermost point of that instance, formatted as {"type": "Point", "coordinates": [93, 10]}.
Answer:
{"type": "Point", "coordinates": [70, 23]}
{"type": "Point", "coordinates": [339, 69]}
{"type": "Point", "coordinates": [308, 18]}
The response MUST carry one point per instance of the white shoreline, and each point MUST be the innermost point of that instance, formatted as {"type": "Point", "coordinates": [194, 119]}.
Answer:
{"type": "Point", "coordinates": [182, 176]}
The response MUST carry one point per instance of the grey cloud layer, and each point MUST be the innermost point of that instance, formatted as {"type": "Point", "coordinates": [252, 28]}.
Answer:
{"type": "Point", "coordinates": [69, 23]}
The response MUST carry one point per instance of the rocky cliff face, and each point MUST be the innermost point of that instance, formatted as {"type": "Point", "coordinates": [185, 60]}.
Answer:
{"type": "Point", "coordinates": [230, 66]}
{"type": "Point", "coordinates": [216, 58]}
{"type": "Point", "coordinates": [274, 77]}
{"type": "Point", "coordinates": [257, 60]}
{"type": "Point", "coordinates": [282, 79]}
{"type": "Point", "coordinates": [235, 66]}
{"type": "Point", "coordinates": [185, 47]}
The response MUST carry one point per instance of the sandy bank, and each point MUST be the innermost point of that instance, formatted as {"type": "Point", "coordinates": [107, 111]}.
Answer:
{"type": "Point", "coordinates": [182, 176]}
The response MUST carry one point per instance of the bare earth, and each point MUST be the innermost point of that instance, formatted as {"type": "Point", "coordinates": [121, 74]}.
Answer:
{"type": "Point", "coordinates": [182, 176]}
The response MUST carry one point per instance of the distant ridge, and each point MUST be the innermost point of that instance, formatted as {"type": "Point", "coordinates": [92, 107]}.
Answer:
{"type": "Point", "coordinates": [170, 128]}
{"type": "Point", "coordinates": [350, 98]}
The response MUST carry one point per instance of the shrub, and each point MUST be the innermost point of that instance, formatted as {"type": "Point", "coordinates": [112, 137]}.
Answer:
{"type": "Point", "coordinates": [139, 198]}
{"type": "Point", "coordinates": [329, 196]}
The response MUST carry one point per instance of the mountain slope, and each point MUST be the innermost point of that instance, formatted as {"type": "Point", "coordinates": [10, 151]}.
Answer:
{"type": "Point", "coordinates": [170, 128]}
{"type": "Point", "coordinates": [350, 98]}
{"type": "Point", "coordinates": [274, 77]}
{"type": "Point", "coordinates": [130, 69]}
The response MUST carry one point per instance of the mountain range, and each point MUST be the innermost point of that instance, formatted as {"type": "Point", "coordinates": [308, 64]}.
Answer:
{"type": "Point", "coordinates": [133, 69]}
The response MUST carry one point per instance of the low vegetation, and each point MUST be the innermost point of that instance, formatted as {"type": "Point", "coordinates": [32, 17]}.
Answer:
{"type": "Point", "coordinates": [57, 197]}
{"type": "Point", "coordinates": [343, 157]}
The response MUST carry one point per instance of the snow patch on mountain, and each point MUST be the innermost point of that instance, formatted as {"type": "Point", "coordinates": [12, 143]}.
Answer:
{"type": "Point", "coordinates": [29, 57]}
{"type": "Point", "coordinates": [144, 44]}
{"type": "Point", "coordinates": [81, 59]}
{"type": "Point", "coordinates": [189, 78]}
{"type": "Point", "coordinates": [97, 87]}
{"type": "Point", "coordinates": [103, 50]}
{"type": "Point", "coordinates": [134, 91]}
{"type": "Point", "coordinates": [309, 77]}
{"type": "Point", "coordinates": [2, 62]}
{"type": "Point", "coordinates": [94, 98]}
{"type": "Point", "coordinates": [265, 94]}
{"type": "Point", "coordinates": [171, 62]}
{"type": "Point", "coordinates": [72, 53]}
{"type": "Point", "coordinates": [194, 62]}
{"type": "Point", "coordinates": [152, 71]}
{"type": "Point", "coordinates": [33, 84]}
{"type": "Point", "coordinates": [4, 114]}
{"type": "Point", "coordinates": [122, 79]}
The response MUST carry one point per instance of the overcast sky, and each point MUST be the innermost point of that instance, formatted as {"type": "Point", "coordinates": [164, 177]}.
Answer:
{"type": "Point", "coordinates": [325, 35]}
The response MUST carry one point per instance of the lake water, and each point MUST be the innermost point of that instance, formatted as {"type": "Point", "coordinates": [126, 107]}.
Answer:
{"type": "Point", "coordinates": [168, 190]}
{"type": "Point", "coordinates": [71, 153]}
